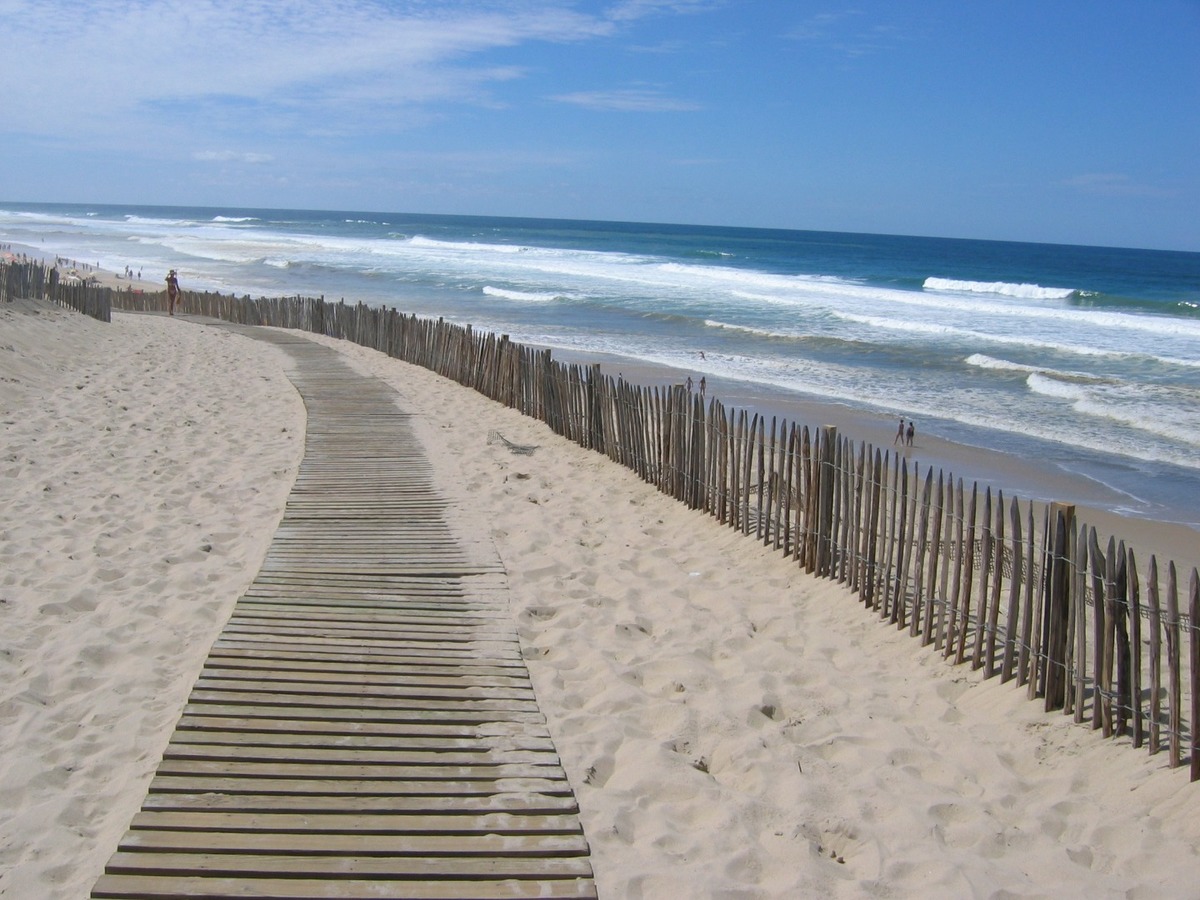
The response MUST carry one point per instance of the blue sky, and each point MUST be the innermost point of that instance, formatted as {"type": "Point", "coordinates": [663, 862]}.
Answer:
{"type": "Point", "coordinates": [1074, 121]}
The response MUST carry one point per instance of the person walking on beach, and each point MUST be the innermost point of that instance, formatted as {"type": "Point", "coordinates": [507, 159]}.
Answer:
{"type": "Point", "coordinates": [172, 291]}
{"type": "Point", "coordinates": [899, 438]}
{"type": "Point", "coordinates": [912, 429]}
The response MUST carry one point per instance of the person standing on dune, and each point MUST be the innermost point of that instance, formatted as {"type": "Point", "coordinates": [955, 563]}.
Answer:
{"type": "Point", "coordinates": [172, 291]}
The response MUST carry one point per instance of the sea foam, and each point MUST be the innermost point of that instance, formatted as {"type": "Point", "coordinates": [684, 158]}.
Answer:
{"type": "Point", "coordinates": [1003, 288]}
{"type": "Point", "coordinates": [523, 296]}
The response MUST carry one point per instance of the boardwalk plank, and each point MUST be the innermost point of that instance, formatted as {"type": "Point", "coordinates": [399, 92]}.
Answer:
{"type": "Point", "coordinates": [343, 755]}
{"type": "Point", "coordinates": [338, 843]}
{"type": "Point", "coordinates": [488, 823]}
{"type": "Point", "coordinates": [119, 887]}
{"type": "Point", "coordinates": [402, 867]}
{"type": "Point", "coordinates": [407, 743]}
{"type": "Point", "coordinates": [192, 783]}
{"type": "Point", "coordinates": [351, 805]}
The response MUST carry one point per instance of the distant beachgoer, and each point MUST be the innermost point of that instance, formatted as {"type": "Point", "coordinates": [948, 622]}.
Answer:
{"type": "Point", "coordinates": [702, 354]}
{"type": "Point", "coordinates": [899, 438]}
{"type": "Point", "coordinates": [689, 384]}
{"type": "Point", "coordinates": [172, 291]}
{"type": "Point", "coordinates": [912, 429]}
{"type": "Point", "coordinates": [702, 383]}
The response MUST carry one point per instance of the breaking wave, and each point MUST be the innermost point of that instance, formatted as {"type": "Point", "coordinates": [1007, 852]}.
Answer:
{"type": "Point", "coordinates": [1002, 288]}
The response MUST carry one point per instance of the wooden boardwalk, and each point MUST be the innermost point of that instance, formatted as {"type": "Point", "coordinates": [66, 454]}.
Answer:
{"type": "Point", "coordinates": [364, 726]}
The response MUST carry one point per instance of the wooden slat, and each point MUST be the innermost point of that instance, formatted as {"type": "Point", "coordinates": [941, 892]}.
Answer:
{"type": "Point", "coordinates": [335, 844]}
{"type": "Point", "coordinates": [481, 788]}
{"type": "Point", "coordinates": [333, 756]}
{"type": "Point", "coordinates": [392, 804]}
{"type": "Point", "coordinates": [485, 823]}
{"type": "Point", "coordinates": [187, 737]}
{"type": "Point", "coordinates": [401, 867]}
{"type": "Point", "coordinates": [118, 887]}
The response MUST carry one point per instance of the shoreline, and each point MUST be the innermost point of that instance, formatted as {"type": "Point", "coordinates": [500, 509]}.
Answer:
{"type": "Point", "coordinates": [1175, 538]}
{"type": "Point", "coordinates": [1029, 480]}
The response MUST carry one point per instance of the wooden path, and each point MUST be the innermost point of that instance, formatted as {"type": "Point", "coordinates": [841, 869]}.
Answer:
{"type": "Point", "coordinates": [364, 725]}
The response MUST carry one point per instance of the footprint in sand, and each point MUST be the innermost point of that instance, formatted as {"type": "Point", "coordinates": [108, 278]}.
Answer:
{"type": "Point", "coordinates": [599, 772]}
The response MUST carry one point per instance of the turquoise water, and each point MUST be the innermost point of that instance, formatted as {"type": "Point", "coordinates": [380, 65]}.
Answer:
{"type": "Point", "coordinates": [1086, 358]}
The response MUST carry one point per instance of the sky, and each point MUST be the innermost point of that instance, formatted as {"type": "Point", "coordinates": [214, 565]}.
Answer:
{"type": "Point", "coordinates": [1064, 121]}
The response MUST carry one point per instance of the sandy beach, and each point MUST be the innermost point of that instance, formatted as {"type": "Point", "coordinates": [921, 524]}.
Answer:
{"type": "Point", "coordinates": [731, 727]}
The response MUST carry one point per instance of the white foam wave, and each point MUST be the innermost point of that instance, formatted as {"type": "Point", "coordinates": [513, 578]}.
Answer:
{"type": "Point", "coordinates": [746, 329]}
{"type": "Point", "coordinates": [1003, 288]}
{"type": "Point", "coordinates": [235, 219]}
{"type": "Point", "coordinates": [463, 246]}
{"type": "Point", "coordinates": [983, 361]}
{"type": "Point", "coordinates": [1053, 387]}
{"type": "Point", "coordinates": [148, 220]}
{"type": "Point", "coordinates": [524, 296]}
{"type": "Point", "coordinates": [1017, 339]}
{"type": "Point", "coordinates": [1158, 417]}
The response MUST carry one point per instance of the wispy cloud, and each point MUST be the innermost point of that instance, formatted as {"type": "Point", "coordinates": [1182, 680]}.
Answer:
{"type": "Point", "coordinates": [848, 33]}
{"type": "Point", "coordinates": [629, 100]}
{"type": "Point", "coordinates": [629, 10]}
{"type": "Point", "coordinates": [266, 64]}
{"type": "Point", "coordinates": [224, 156]}
{"type": "Point", "coordinates": [1114, 184]}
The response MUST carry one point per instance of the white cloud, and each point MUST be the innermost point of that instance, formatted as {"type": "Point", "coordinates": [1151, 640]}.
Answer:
{"type": "Point", "coordinates": [847, 33]}
{"type": "Point", "coordinates": [127, 63]}
{"type": "Point", "coordinates": [628, 10]}
{"type": "Point", "coordinates": [1113, 184]}
{"type": "Point", "coordinates": [631, 100]}
{"type": "Point", "coordinates": [232, 156]}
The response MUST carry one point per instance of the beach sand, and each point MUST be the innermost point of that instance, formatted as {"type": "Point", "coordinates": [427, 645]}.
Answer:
{"type": "Point", "coordinates": [731, 727]}
{"type": "Point", "coordinates": [144, 468]}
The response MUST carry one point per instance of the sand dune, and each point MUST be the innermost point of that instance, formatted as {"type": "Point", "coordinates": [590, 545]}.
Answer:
{"type": "Point", "coordinates": [144, 469]}
{"type": "Point", "coordinates": [731, 727]}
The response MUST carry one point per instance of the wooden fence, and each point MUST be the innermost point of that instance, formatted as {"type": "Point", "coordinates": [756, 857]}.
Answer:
{"type": "Point", "coordinates": [1023, 591]}
{"type": "Point", "coordinates": [34, 279]}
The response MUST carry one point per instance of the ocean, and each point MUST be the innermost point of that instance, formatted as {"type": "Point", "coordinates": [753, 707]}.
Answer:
{"type": "Point", "coordinates": [1086, 359]}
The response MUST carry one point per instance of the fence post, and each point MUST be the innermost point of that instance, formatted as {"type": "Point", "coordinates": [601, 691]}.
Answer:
{"type": "Point", "coordinates": [1056, 573]}
{"type": "Point", "coordinates": [825, 537]}
{"type": "Point", "coordinates": [1194, 639]}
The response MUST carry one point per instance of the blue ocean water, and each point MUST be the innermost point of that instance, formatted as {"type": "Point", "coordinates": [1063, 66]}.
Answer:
{"type": "Point", "coordinates": [1085, 357]}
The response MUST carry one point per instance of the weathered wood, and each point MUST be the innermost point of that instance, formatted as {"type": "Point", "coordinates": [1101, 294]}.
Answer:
{"type": "Point", "coordinates": [1056, 607]}
{"type": "Point", "coordinates": [155, 887]}
{"type": "Point", "coordinates": [920, 603]}
{"type": "Point", "coordinates": [997, 566]}
{"type": "Point", "coordinates": [825, 520]}
{"type": "Point", "coordinates": [985, 561]}
{"type": "Point", "coordinates": [364, 725]}
{"type": "Point", "coordinates": [1079, 599]}
{"type": "Point", "coordinates": [934, 594]}
{"type": "Point", "coordinates": [1156, 657]}
{"type": "Point", "coordinates": [950, 559]}
{"type": "Point", "coordinates": [1013, 618]}
{"type": "Point", "coordinates": [903, 548]}
{"type": "Point", "coordinates": [1133, 594]}
{"type": "Point", "coordinates": [1194, 652]}
{"type": "Point", "coordinates": [1174, 686]}
{"type": "Point", "coordinates": [1025, 656]}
